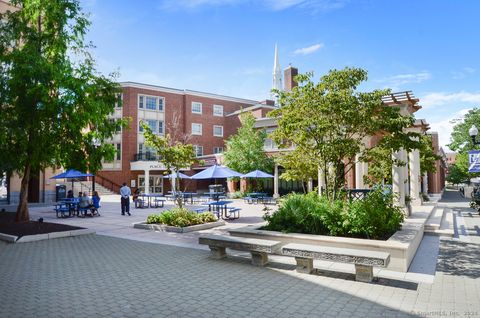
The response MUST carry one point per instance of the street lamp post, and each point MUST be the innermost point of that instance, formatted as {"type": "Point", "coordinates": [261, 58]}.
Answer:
{"type": "Point", "coordinates": [473, 132]}
{"type": "Point", "coordinates": [96, 144]}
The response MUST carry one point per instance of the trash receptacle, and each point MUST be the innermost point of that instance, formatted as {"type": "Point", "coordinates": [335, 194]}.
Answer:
{"type": "Point", "coordinates": [60, 192]}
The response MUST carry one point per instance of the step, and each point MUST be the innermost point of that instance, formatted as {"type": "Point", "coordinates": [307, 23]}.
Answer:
{"type": "Point", "coordinates": [443, 226]}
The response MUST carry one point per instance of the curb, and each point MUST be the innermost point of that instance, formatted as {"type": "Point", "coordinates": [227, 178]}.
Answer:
{"type": "Point", "coordinates": [46, 236]}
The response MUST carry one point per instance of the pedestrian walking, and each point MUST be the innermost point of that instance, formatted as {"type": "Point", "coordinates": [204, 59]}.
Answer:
{"type": "Point", "coordinates": [125, 193]}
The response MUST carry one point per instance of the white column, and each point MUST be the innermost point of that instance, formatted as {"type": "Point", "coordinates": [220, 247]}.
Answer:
{"type": "Point", "coordinates": [398, 186]}
{"type": "Point", "coordinates": [310, 185]}
{"type": "Point", "coordinates": [321, 181]}
{"type": "Point", "coordinates": [414, 162]}
{"type": "Point", "coordinates": [147, 181]}
{"type": "Point", "coordinates": [365, 173]}
{"type": "Point", "coordinates": [425, 183]}
{"type": "Point", "coordinates": [275, 182]}
{"type": "Point", "coordinates": [358, 173]}
{"type": "Point", "coordinates": [174, 180]}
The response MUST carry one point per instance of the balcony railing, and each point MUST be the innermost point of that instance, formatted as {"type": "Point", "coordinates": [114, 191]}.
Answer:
{"type": "Point", "coordinates": [146, 156]}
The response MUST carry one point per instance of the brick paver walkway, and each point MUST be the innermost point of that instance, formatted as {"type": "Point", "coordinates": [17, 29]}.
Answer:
{"type": "Point", "coordinates": [101, 276]}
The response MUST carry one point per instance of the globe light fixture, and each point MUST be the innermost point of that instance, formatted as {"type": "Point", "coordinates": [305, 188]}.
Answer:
{"type": "Point", "coordinates": [473, 132]}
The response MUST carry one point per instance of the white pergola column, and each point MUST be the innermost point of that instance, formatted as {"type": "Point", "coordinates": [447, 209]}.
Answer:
{"type": "Point", "coordinates": [147, 181]}
{"type": "Point", "coordinates": [365, 173]}
{"type": "Point", "coordinates": [173, 180]}
{"type": "Point", "coordinates": [321, 181]}
{"type": "Point", "coordinates": [425, 183]}
{"type": "Point", "coordinates": [414, 165]}
{"type": "Point", "coordinates": [358, 173]}
{"type": "Point", "coordinates": [398, 185]}
{"type": "Point", "coordinates": [275, 182]}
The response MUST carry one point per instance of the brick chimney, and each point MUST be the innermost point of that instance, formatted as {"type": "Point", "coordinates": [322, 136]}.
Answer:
{"type": "Point", "coordinates": [288, 76]}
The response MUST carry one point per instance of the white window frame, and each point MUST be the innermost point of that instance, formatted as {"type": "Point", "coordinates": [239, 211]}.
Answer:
{"type": "Point", "coordinates": [216, 127]}
{"type": "Point", "coordinates": [196, 148]}
{"type": "Point", "coordinates": [157, 102]}
{"type": "Point", "coordinates": [218, 110]}
{"type": "Point", "coordinates": [197, 125]}
{"type": "Point", "coordinates": [197, 104]}
{"type": "Point", "coordinates": [217, 150]}
{"type": "Point", "coordinates": [120, 98]}
{"type": "Point", "coordinates": [118, 151]}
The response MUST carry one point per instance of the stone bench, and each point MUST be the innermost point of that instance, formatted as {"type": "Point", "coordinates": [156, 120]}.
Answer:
{"type": "Point", "coordinates": [259, 249]}
{"type": "Point", "coordinates": [363, 260]}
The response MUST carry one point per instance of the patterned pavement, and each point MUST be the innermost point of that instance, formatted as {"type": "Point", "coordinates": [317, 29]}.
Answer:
{"type": "Point", "coordinates": [105, 276]}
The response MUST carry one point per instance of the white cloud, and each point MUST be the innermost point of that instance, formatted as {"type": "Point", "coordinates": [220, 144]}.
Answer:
{"type": "Point", "coordinates": [442, 98]}
{"type": "Point", "coordinates": [274, 5]}
{"type": "Point", "coordinates": [308, 49]}
{"type": "Point", "coordinates": [444, 127]}
{"type": "Point", "coordinates": [463, 73]}
{"type": "Point", "coordinates": [394, 82]}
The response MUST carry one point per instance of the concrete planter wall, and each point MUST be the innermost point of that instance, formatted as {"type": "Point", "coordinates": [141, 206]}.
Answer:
{"type": "Point", "coordinates": [167, 228]}
{"type": "Point", "coordinates": [402, 246]}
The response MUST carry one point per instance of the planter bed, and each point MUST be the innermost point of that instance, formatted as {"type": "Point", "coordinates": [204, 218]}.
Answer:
{"type": "Point", "coordinates": [402, 245]}
{"type": "Point", "coordinates": [176, 229]}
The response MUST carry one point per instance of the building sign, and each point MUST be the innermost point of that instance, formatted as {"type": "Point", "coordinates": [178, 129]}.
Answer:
{"type": "Point", "coordinates": [474, 161]}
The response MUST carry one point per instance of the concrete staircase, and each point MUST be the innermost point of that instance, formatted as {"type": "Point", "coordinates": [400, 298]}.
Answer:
{"type": "Point", "coordinates": [87, 186]}
{"type": "Point", "coordinates": [440, 222]}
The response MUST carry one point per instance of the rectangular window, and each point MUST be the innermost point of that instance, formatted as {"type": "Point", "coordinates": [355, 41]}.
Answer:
{"type": "Point", "coordinates": [198, 150]}
{"type": "Point", "coordinates": [118, 155]}
{"type": "Point", "coordinates": [218, 110]}
{"type": "Point", "coordinates": [151, 102]}
{"type": "Point", "coordinates": [217, 149]}
{"type": "Point", "coordinates": [161, 129]}
{"type": "Point", "coordinates": [117, 129]}
{"type": "Point", "coordinates": [196, 108]}
{"type": "Point", "coordinates": [119, 101]}
{"type": "Point", "coordinates": [218, 131]}
{"type": "Point", "coordinates": [161, 103]}
{"type": "Point", "coordinates": [196, 129]}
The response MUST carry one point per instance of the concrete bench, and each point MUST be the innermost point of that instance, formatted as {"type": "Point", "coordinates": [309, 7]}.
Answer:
{"type": "Point", "coordinates": [363, 260]}
{"type": "Point", "coordinates": [259, 249]}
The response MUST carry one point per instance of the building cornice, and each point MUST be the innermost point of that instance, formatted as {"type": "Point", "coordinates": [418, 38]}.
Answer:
{"type": "Point", "coordinates": [164, 89]}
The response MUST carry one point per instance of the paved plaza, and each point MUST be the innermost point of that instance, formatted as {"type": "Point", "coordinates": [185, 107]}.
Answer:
{"type": "Point", "coordinates": [125, 272]}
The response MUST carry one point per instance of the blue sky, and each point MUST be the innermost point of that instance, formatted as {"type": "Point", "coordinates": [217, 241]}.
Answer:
{"type": "Point", "coordinates": [431, 47]}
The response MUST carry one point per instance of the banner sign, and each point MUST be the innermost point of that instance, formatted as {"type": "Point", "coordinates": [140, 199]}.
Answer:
{"type": "Point", "coordinates": [474, 161]}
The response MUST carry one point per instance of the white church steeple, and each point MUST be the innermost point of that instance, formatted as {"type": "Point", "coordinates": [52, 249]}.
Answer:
{"type": "Point", "coordinates": [277, 76]}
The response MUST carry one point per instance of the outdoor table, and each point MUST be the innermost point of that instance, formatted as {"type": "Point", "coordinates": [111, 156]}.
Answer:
{"type": "Point", "coordinates": [72, 204]}
{"type": "Point", "coordinates": [189, 195]}
{"type": "Point", "coordinates": [220, 206]}
{"type": "Point", "coordinates": [257, 196]}
{"type": "Point", "coordinates": [149, 199]}
{"type": "Point", "coordinates": [215, 195]}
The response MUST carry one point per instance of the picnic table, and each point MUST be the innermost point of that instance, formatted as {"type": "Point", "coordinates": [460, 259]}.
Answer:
{"type": "Point", "coordinates": [147, 200]}
{"type": "Point", "coordinates": [221, 209]}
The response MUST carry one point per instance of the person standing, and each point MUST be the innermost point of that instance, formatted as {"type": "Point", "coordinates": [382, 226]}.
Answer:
{"type": "Point", "coordinates": [125, 193]}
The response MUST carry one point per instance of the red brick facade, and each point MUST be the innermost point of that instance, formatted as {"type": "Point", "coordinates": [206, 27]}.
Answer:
{"type": "Point", "coordinates": [177, 104]}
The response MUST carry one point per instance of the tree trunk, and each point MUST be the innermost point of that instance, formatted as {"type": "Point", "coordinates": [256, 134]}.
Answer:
{"type": "Point", "coordinates": [22, 209]}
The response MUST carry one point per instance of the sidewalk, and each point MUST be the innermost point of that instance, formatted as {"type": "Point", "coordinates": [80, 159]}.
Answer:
{"type": "Point", "coordinates": [105, 276]}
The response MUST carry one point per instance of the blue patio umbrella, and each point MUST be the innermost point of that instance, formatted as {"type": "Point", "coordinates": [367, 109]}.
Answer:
{"type": "Point", "coordinates": [174, 175]}
{"type": "Point", "coordinates": [72, 174]}
{"type": "Point", "coordinates": [216, 172]}
{"type": "Point", "coordinates": [257, 174]}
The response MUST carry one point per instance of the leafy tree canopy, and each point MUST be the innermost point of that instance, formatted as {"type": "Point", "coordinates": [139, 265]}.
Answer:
{"type": "Point", "coordinates": [245, 149]}
{"type": "Point", "coordinates": [329, 121]}
{"type": "Point", "coordinates": [54, 104]}
{"type": "Point", "coordinates": [173, 154]}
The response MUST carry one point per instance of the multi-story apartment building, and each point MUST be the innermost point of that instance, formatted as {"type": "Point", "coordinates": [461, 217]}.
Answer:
{"type": "Point", "coordinates": [203, 119]}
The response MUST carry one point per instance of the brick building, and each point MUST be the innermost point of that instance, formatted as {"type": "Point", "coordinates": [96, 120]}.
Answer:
{"type": "Point", "coordinates": [203, 119]}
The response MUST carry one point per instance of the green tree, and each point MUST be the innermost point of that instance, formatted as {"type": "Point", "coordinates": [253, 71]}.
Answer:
{"type": "Point", "coordinates": [245, 149]}
{"type": "Point", "coordinates": [329, 121]}
{"type": "Point", "coordinates": [456, 174]}
{"type": "Point", "coordinates": [53, 103]}
{"type": "Point", "coordinates": [298, 167]}
{"type": "Point", "coordinates": [461, 142]}
{"type": "Point", "coordinates": [173, 154]}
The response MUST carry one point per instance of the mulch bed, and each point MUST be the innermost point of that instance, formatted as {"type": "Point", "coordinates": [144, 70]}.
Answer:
{"type": "Point", "coordinates": [8, 226]}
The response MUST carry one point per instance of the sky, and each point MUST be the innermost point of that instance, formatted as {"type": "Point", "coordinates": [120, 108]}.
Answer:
{"type": "Point", "coordinates": [431, 47]}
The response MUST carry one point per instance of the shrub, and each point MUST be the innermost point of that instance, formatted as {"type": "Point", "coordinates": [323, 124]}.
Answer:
{"type": "Point", "coordinates": [180, 217]}
{"type": "Point", "coordinates": [236, 195]}
{"type": "Point", "coordinates": [374, 217]}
